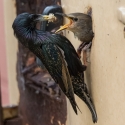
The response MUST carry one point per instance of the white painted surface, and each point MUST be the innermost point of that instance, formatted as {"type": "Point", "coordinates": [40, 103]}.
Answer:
{"type": "Point", "coordinates": [105, 75]}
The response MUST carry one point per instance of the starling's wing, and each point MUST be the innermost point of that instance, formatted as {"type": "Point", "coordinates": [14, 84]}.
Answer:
{"type": "Point", "coordinates": [72, 59]}
{"type": "Point", "coordinates": [54, 61]}
{"type": "Point", "coordinates": [76, 71]}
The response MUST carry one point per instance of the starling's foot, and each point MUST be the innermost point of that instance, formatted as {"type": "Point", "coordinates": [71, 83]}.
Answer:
{"type": "Point", "coordinates": [85, 58]}
{"type": "Point", "coordinates": [79, 53]}
{"type": "Point", "coordinates": [85, 48]}
{"type": "Point", "coordinates": [79, 50]}
{"type": "Point", "coordinates": [84, 67]}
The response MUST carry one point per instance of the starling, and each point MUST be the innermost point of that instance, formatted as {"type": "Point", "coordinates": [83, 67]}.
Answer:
{"type": "Point", "coordinates": [58, 56]}
{"type": "Point", "coordinates": [43, 45]}
{"type": "Point", "coordinates": [81, 25]}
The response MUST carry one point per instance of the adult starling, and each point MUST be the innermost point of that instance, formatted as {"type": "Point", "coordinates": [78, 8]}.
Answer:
{"type": "Point", "coordinates": [81, 25]}
{"type": "Point", "coordinates": [58, 56]}
{"type": "Point", "coordinates": [42, 45]}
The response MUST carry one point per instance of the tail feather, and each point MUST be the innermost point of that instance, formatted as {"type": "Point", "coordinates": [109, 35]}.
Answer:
{"type": "Point", "coordinates": [74, 104]}
{"type": "Point", "coordinates": [80, 89]}
{"type": "Point", "coordinates": [89, 103]}
{"type": "Point", "coordinates": [92, 109]}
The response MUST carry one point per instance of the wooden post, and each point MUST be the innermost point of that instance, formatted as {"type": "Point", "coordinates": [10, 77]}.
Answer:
{"type": "Point", "coordinates": [1, 112]}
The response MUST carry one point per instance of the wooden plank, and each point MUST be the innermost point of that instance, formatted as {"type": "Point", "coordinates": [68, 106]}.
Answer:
{"type": "Point", "coordinates": [10, 112]}
{"type": "Point", "coordinates": [14, 121]}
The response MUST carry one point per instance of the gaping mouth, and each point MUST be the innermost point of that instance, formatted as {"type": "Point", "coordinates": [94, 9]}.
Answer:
{"type": "Point", "coordinates": [66, 25]}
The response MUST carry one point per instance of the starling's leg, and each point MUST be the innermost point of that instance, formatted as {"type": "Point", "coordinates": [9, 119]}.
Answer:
{"type": "Point", "coordinates": [87, 46]}
{"type": "Point", "coordinates": [84, 57]}
{"type": "Point", "coordinates": [79, 50]}
{"type": "Point", "coordinates": [84, 52]}
{"type": "Point", "coordinates": [84, 67]}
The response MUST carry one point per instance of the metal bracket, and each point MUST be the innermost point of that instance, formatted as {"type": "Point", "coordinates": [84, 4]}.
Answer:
{"type": "Point", "coordinates": [52, 25]}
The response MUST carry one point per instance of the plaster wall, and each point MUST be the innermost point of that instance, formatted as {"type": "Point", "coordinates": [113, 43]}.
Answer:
{"type": "Point", "coordinates": [105, 75]}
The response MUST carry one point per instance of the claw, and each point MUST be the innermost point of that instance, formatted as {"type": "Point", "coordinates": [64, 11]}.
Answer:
{"type": "Point", "coordinates": [87, 46]}
{"type": "Point", "coordinates": [84, 47]}
{"type": "Point", "coordinates": [79, 50]}
{"type": "Point", "coordinates": [85, 58]}
{"type": "Point", "coordinates": [79, 53]}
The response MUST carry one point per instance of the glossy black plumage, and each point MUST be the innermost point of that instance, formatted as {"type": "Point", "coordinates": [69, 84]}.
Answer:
{"type": "Point", "coordinates": [40, 43]}
{"type": "Point", "coordinates": [58, 56]}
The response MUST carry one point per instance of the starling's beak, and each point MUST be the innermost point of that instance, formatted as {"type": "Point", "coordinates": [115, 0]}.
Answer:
{"type": "Point", "coordinates": [66, 25]}
{"type": "Point", "coordinates": [49, 18]}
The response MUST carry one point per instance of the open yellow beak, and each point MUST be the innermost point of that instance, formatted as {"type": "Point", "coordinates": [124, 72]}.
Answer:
{"type": "Point", "coordinates": [65, 26]}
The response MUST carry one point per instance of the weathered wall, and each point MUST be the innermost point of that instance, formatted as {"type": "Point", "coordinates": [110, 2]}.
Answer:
{"type": "Point", "coordinates": [106, 72]}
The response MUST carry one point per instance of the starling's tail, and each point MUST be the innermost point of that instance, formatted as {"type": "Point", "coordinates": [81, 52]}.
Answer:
{"type": "Point", "coordinates": [92, 108]}
{"type": "Point", "coordinates": [80, 89]}
{"type": "Point", "coordinates": [89, 103]}
{"type": "Point", "coordinates": [73, 103]}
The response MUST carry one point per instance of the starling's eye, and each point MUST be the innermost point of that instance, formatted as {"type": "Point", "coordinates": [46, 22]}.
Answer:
{"type": "Point", "coordinates": [75, 19]}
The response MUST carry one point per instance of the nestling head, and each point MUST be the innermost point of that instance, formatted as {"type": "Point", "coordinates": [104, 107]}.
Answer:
{"type": "Point", "coordinates": [76, 21]}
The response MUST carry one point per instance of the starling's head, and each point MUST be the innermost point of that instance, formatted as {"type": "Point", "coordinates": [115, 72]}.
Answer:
{"type": "Point", "coordinates": [76, 21]}
{"type": "Point", "coordinates": [25, 23]}
{"type": "Point", "coordinates": [30, 20]}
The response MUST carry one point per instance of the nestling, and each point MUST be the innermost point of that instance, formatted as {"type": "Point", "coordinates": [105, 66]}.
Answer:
{"type": "Point", "coordinates": [81, 25]}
